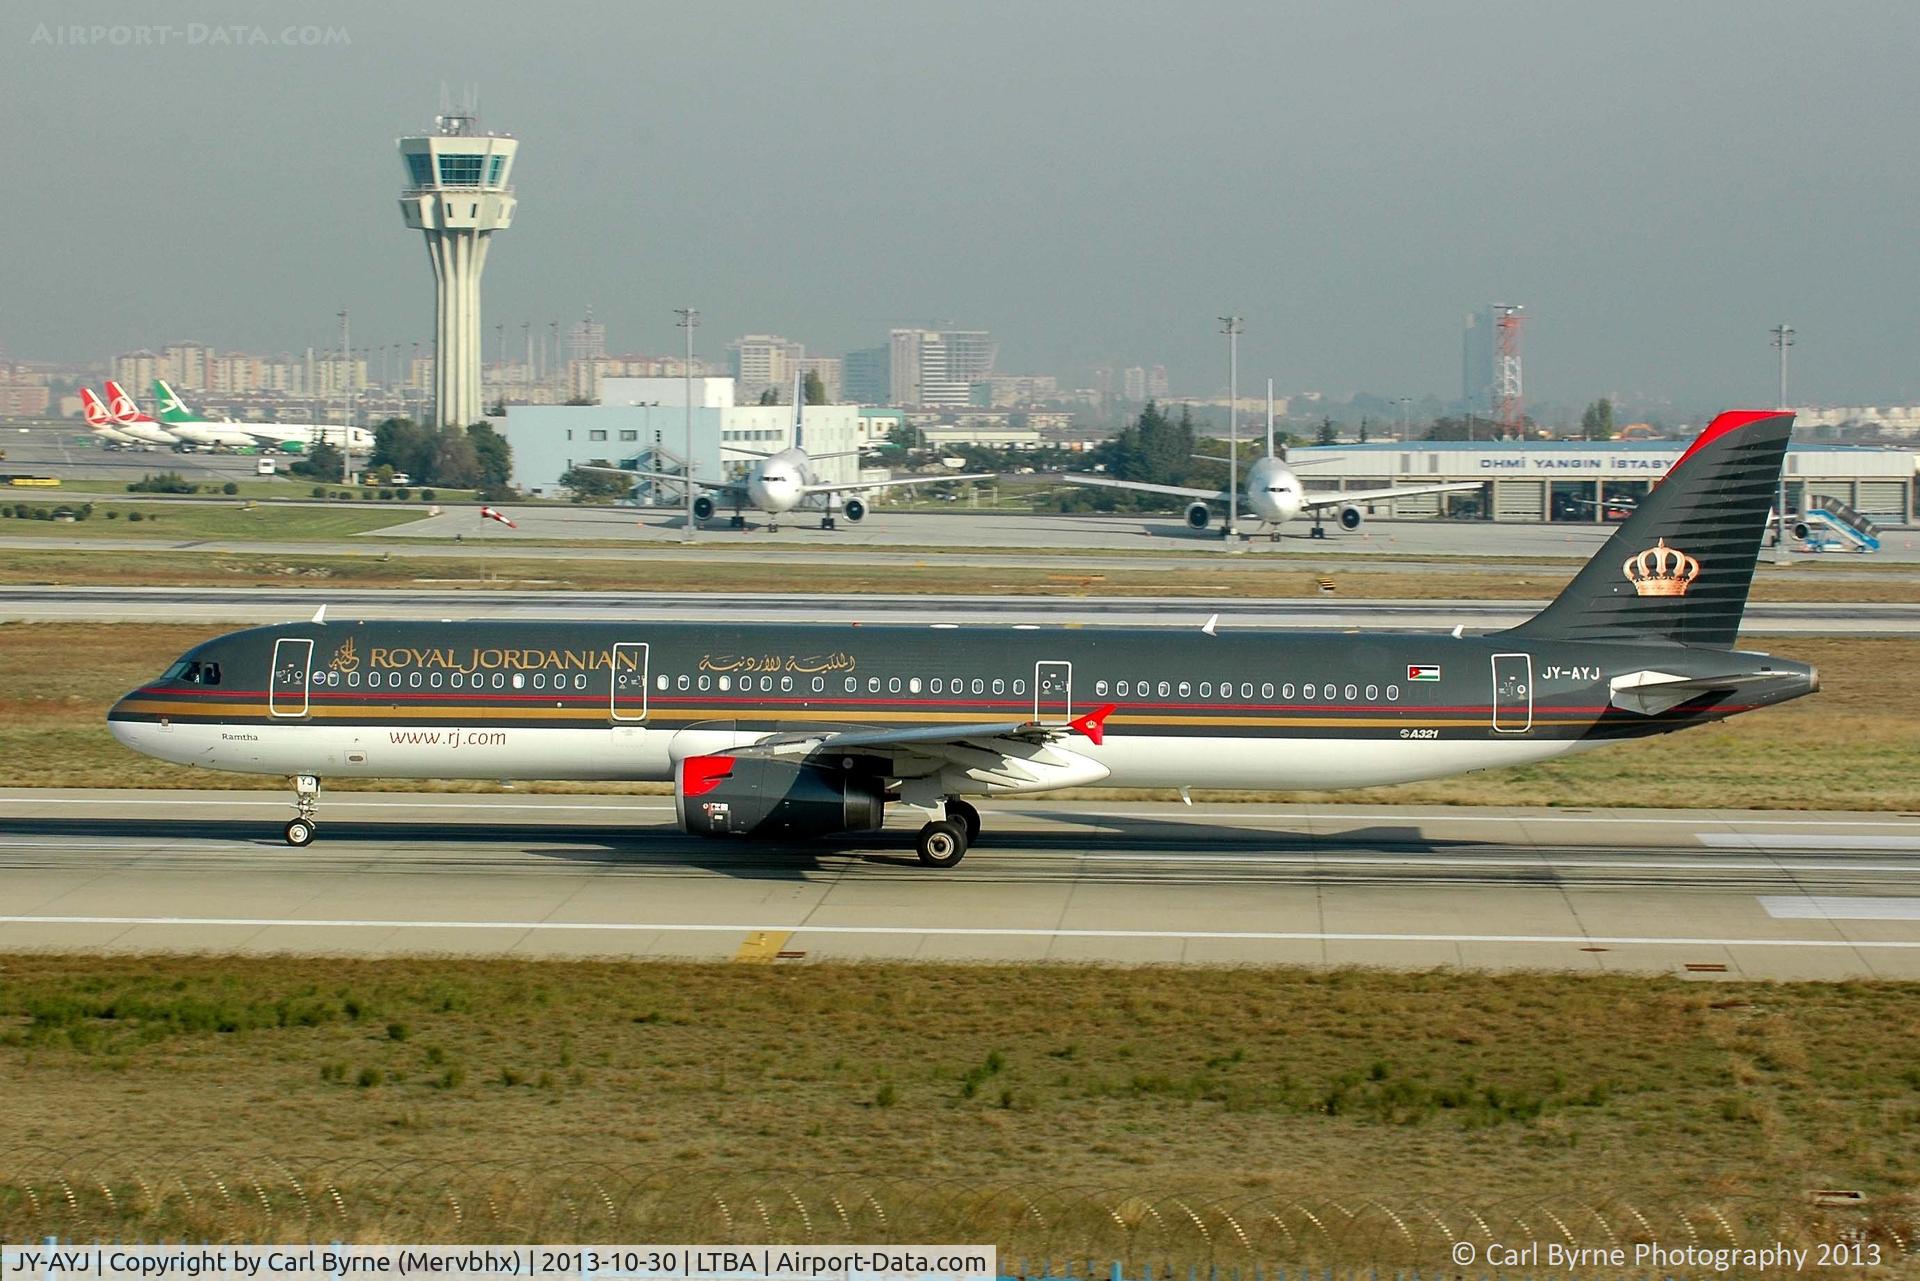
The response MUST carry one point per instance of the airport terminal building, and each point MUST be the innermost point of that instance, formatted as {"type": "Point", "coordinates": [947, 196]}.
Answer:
{"type": "Point", "coordinates": [1574, 480]}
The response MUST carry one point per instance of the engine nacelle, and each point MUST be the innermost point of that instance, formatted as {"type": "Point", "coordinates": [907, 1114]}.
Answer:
{"type": "Point", "coordinates": [755, 796]}
{"type": "Point", "coordinates": [1349, 518]}
{"type": "Point", "coordinates": [1801, 529]}
{"type": "Point", "coordinates": [854, 509]}
{"type": "Point", "coordinates": [1198, 515]}
{"type": "Point", "coordinates": [703, 508]}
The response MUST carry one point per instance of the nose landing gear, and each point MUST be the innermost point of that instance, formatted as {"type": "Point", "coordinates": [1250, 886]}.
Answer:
{"type": "Point", "coordinates": [306, 799]}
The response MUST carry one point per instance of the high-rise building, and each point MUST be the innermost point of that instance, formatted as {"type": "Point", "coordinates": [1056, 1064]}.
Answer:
{"type": "Point", "coordinates": [1133, 383]}
{"type": "Point", "coordinates": [760, 361]}
{"type": "Point", "coordinates": [867, 376]}
{"type": "Point", "coordinates": [587, 339]}
{"type": "Point", "coordinates": [937, 367]}
{"type": "Point", "coordinates": [188, 365]}
{"type": "Point", "coordinates": [136, 370]}
{"type": "Point", "coordinates": [458, 195]}
{"type": "Point", "coordinates": [832, 374]}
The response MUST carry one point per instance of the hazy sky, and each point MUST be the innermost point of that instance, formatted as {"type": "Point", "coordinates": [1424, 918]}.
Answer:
{"type": "Point", "coordinates": [1659, 183]}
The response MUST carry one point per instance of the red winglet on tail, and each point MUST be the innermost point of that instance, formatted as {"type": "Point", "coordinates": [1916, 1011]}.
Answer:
{"type": "Point", "coordinates": [1094, 723]}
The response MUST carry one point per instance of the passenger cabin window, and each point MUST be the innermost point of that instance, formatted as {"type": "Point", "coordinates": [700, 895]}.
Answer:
{"type": "Point", "coordinates": [1100, 689]}
{"type": "Point", "coordinates": [1266, 691]}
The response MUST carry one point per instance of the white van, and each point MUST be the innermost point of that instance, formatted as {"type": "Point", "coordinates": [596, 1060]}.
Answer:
{"type": "Point", "coordinates": [263, 467]}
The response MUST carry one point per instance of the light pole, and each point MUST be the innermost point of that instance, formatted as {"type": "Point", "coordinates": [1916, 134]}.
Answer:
{"type": "Point", "coordinates": [1782, 339]}
{"type": "Point", "coordinates": [1231, 326]}
{"type": "Point", "coordinates": [689, 321]}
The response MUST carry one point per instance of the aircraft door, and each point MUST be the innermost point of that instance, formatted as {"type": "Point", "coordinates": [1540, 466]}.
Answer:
{"type": "Point", "coordinates": [1512, 693]}
{"type": "Point", "coordinates": [287, 685]}
{"type": "Point", "coordinates": [630, 680]}
{"type": "Point", "coordinates": [1052, 692]}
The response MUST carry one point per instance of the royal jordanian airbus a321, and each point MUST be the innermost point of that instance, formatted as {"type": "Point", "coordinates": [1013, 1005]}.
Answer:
{"type": "Point", "coordinates": [778, 731]}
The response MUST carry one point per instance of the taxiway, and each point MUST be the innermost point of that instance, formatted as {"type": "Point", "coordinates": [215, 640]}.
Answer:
{"type": "Point", "coordinates": [1694, 893]}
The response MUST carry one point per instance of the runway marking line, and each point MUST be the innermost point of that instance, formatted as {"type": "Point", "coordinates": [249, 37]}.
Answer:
{"type": "Point", "coordinates": [1066, 817]}
{"type": "Point", "coordinates": [1833, 907]}
{"type": "Point", "coordinates": [960, 931]}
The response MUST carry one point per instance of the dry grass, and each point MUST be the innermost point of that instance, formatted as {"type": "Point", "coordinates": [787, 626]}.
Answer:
{"type": "Point", "coordinates": [1220, 1085]}
{"type": "Point", "coordinates": [1852, 746]}
{"type": "Point", "coordinates": [172, 520]}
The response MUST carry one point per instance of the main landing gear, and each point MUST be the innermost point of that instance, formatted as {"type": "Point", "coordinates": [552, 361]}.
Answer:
{"type": "Point", "coordinates": [306, 799]}
{"type": "Point", "coordinates": [738, 522]}
{"type": "Point", "coordinates": [944, 842]}
{"type": "Point", "coordinates": [826, 522]}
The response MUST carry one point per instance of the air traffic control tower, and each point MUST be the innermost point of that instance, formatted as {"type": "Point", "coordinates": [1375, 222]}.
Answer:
{"type": "Point", "coordinates": [458, 194]}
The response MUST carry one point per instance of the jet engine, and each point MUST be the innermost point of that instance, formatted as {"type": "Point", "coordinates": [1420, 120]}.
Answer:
{"type": "Point", "coordinates": [1198, 514]}
{"type": "Point", "coordinates": [854, 509]}
{"type": "Point", "coordinates": [1801, 529]}
{"type": "Point", "coordinates": [703, 508]}
{"type": "Point", "coordinates": [755, 796]}
{"type": "Point", "coordinates": [1349, 518]}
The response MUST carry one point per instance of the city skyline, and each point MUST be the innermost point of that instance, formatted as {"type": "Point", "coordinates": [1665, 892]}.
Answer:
{"type": "Point", "coordinates": [1361, 181]}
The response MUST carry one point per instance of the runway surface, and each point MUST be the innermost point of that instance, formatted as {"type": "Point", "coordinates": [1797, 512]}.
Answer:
{"type": "Point", "coordinates": [1694, 893]}
{"type": "Point", "coordinates": [243, 605]}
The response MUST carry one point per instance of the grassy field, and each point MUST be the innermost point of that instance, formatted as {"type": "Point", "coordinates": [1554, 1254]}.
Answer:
{"type": "Point", "coordinates": [159, 520]}
{"type": "Point", "coordinates": [404, 1092]}
{"type": "Point", "coordinates": [1852, 746]}
{"type": "Point", "coordinates": [392, 566]}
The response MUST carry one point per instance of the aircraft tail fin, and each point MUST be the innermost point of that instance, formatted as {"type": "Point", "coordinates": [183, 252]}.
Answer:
{"type": "Point", "coordinates": [168, 406]}
{"type": "Point", "coordinates": [1680, 567]}
{"type": "Point", "coordinates": [95, 412]}
{"type": "Point", "coordinates": [121, 406]}
{"type": "Point", "coordinates": [799, 407]}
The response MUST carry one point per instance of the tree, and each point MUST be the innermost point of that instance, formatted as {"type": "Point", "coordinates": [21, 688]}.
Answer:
{"type": "Point", "coordinates": [591, 486]}
{"type": "Point", "coordinates": [456, 463]}
{"type": "Point", "coordinates": [769, 397]}
{"type": "Point", "coordinates": [579, 400]}
{"type": "Point", "coordinates": [494, 455]}
{"type": "Point", "coordinates": [815, 390]}
{"type": "Point", "coordinates": [405, 446]}
{"type": "Point", "coordinates": [1597, 422]}
{"type": "Point", "coordinates": [905, 435]}
{"type": "Point", "coordinates": [1329, 434]}
{"type": "Point", "coordinates": [321, 462]}
{"type": "Point", "coordinates": [1364, 434]}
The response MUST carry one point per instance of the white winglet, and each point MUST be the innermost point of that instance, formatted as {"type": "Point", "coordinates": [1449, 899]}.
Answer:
{"type": "Point", "coordinates": [320, 615]}
{"type": "Point", "coordinates": [1186, 796]}
{"type": "Point", "coordinates": [1457, 629]}
{"type": "Point", "coordinates": [1211, 620]}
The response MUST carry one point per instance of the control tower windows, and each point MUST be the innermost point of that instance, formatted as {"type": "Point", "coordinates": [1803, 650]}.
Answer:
{"type": "Point", "coordinates": [460, 171]}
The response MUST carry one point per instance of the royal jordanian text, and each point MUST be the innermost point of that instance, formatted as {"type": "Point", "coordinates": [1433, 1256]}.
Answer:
{"type": "Point", "coordinates": [52, 1262]}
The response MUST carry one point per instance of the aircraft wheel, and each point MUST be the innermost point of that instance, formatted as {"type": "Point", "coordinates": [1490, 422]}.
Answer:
{"type": "Point", "coordinates": [967, 817]}
{"type": "Point", "coordinates": [299, 831]}
{"type": "Point", "coordinates": [826, 522]}
{"type": "Point", "coordinates": [941, 844]}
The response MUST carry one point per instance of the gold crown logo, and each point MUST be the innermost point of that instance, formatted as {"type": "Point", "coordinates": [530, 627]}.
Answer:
{"type": "Point", "coordinates": [1661, 571]}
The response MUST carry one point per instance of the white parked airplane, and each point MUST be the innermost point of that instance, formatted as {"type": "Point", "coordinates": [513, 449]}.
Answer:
{"type": "Point", "coordinates": [175, 416]}
{"type": "Point", "coordinates": [127, 415]}
{"type": "Point", "coordinates": [778, 483]}
{"type": "Point", "coordinates": [104, 422]}
{"type": "Point", "coordinates": [1274, 494]}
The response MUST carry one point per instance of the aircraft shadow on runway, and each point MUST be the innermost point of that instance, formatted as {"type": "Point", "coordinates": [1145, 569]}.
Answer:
{"type": "Point", "coordinates": [664, 848]}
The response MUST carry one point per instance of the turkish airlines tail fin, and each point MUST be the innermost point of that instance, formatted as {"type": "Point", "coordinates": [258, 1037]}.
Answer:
{"type": "Point", "coordinates": [95, 412]}
{"type": "Point", "coordinates": [121, 406]}
{"type": "Point", "coordinates": [1680, 567]}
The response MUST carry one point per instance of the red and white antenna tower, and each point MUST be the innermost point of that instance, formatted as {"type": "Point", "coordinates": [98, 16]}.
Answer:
{"type": "Point", "coordinates": [1508, 390]}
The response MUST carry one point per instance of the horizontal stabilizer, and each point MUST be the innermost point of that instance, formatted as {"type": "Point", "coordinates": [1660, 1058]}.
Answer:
{"type": "Point", "coordinates": [1649, 693]}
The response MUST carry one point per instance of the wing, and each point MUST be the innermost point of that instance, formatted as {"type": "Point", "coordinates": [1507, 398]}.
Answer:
{"type": "Point", "coordinates": [997, 756]}
{"type": "Point", "coordinates": [1107, 482]}
{"type": "Point", "coordinates": [1330, 498]}
{"type": "Point", "coordinates": [861, 487]}
{"type": "Point", "coordinates": [720, 485]}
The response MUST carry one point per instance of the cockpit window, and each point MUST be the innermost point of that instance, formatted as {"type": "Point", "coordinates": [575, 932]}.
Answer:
{"type": "Point", "coordinates": [193, 672]}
